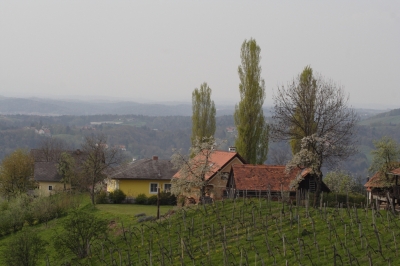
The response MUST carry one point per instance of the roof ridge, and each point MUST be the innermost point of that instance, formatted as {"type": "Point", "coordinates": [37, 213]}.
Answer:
{"type": "Point", "coordinates": [260, 165]}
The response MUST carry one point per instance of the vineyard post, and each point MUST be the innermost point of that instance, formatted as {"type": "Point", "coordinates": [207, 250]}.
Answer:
{"type": "Point", "coordinates": [321, 200]}
{"type": "Point", "coordinates": [298, 225]}
{"type": "Point", "coordinates": [158, 203]}
{"type": "Point", "coordinates": [387, 217]}
{"type": "Point", "coordinates": [182, 253]}
{"type": "Point", "coordinates": [241, 256]}
{"type": "Point", "coordinates": [284, 247]}
{"type": "Point", "coordinates": [208, 249]}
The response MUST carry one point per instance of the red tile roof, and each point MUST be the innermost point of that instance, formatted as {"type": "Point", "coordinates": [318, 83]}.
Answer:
{"type": "Point", "coordinates": [378, 180]}
{"type": "Point", "coordinates": [264, 177]}
{"type": "Point", "coordinates": [395, 171]}
{"type": "Point", "coordinates": [217, 160]}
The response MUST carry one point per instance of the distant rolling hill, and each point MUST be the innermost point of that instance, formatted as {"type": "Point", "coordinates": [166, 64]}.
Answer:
{"type": "Point", "coordinates": [387, 118]}
{"type": "Point", "coordinates": [52, 107]}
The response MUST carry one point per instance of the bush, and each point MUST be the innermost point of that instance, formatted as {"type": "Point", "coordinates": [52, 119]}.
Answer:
{"type": "Point", "coordinates": [3, 205]}
{"type": "Point", "coordinates": [80, 230]}
{"type": "Point", "coordinates": [117, 196]}
{"type": "Point", "coordinates": [47, 208]}
{"type": "Point", "coordinates": [16, 214]}
{"type": "Point", "coordinates": [141, 199]}
{"type": "Point", "coordinates": [152, 200]}
{"type": "Point", "coordinates": [146, 219]}
{"type": "Point", "coordinates": [5, 222]}
{"type": "Point", "coordinates": [102, 197]}
{"type": "Point", "coordinates": [166, 198]}
{"type": "Point", "coordinates": [44, 209]}
{"type": "Point", "coordinates": [333, 199]}
{"type": "Point", "coordinates": [23, 249]}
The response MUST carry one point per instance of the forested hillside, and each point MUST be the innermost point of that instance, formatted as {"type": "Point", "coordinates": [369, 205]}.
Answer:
{"type": "Point", "coordinates": [144, 136]}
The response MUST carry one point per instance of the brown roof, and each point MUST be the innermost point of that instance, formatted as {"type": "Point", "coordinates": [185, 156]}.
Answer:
{"type": "Point", "coordinates": [145, 169]}
{"type": "Point", "coordinates": [46, 171]}
{"type": "Point", "coordinates": [395, 171]}
{"type": "Point", "coordinates": [218, 160]}
{"type": "Point", "coordinates": [263, 177]}
{"type": "Point", "coordinates": [378, 180]}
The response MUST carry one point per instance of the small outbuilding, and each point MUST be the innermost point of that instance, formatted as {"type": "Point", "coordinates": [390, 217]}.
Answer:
{"type": "Point", "coordinates": [251, 180]}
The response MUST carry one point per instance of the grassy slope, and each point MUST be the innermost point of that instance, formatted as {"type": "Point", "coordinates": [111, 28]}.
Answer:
{"type": "Point", "coordinates": [231, 233]}
{"type": "Point", "coordinates": [117, 215]}
{"type": "Point", "coordinates": [126, 212]}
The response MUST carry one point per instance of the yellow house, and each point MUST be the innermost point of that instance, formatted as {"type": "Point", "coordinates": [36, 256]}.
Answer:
{"type": "Point", "coordinates": [45, 169]}
{"type": "Point", "coordinates": [143, 176]}
{"type": "Point", "coordinates": [48, 179]}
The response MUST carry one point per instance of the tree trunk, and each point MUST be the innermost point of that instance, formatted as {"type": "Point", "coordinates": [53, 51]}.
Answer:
{"type": "Point", "coordinates": [390, 202]}
{"type": "Point", "coordinates": [202, 194]}
{"type": "Point", "coordinates": [92, 195]}
{"type": "Point", "coordinates": [318, 189]}
{"type": "Point", "coordinates": [92, 191]}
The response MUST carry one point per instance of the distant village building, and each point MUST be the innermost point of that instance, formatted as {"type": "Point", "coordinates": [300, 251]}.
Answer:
{"type": "Point", "coordinates": [120, 147]}
{"type": "Point", "coordinates": [106, 122]}
{"type": "Point", "coordinates": [88, 128]}
{"type": "Point", "coordinates": [230, 129]}
{"type": "Point", "coordinates": [44, 131]}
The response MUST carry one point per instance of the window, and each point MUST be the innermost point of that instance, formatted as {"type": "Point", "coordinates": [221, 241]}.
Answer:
{"type": "Point", "coordinates": [224, 175]}
{"type": "Point", "coordinates": [153, 187]}
{"type": "Point", "coordinates": [50, 187]}
{"type": "Point", "coordinates": [167, 187]}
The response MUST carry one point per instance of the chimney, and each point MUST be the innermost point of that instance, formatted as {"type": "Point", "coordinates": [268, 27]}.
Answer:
{"type": "Point", "coordinates": [232, 149]}
{"type": "Point", "coordinates": [155, 158]}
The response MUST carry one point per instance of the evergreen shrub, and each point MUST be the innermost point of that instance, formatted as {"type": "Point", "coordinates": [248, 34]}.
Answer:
{"type": "Point", "coordinates": [141, 199]}
{"type": "Point", "coordinates": [117, 196]}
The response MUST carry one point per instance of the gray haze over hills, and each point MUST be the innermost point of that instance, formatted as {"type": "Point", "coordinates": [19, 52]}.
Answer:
{"type": "Point", "coordinates": [56, 107]}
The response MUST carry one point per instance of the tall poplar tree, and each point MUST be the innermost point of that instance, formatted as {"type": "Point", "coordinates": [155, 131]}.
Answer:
{"type": "Point", "coordinates": [252, 139]}
{"type": "Point", "coordinates": [203, 119]}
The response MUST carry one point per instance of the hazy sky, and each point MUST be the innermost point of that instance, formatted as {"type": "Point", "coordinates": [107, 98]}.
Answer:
{"type": "Point", "coordinates": [162, 50]}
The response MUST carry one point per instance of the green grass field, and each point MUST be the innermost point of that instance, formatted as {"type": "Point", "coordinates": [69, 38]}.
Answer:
{"type": "Point", "coordinates": [128, 211]}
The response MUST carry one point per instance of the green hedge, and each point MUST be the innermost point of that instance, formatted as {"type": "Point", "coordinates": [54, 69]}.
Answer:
{"type": "Point", "coordinates": [117, 196]}
{"type": "Point", "coordinates": [166, 198]}
{"type": "Point", "coordinates": [334, 199]}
